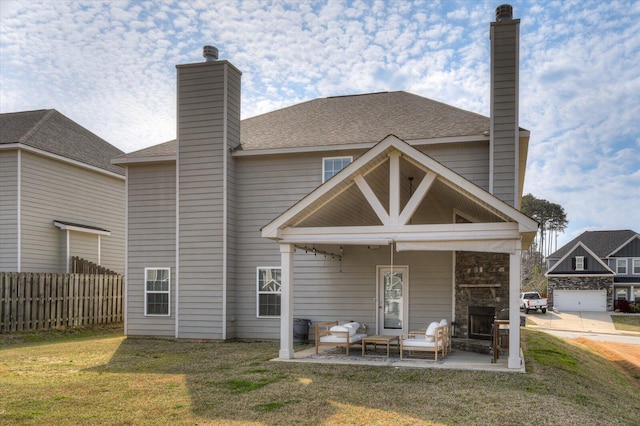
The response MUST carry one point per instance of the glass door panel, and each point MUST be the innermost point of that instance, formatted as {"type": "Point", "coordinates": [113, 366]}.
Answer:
{"type": "Point", "coordinates": [392, 304]}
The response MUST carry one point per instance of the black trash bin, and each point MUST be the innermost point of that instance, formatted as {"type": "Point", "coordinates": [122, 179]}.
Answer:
{"type": "Point", "coordinates": [301, 330]}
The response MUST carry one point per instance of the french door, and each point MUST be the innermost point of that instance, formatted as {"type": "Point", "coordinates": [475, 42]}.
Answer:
{"type": "Point", "coordinates": [393, 300]}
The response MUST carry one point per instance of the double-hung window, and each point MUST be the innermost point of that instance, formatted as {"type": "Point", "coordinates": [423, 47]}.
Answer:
{"type": "Point", "coordinates": [636, 266]}
{"type": "Point", "coordinates": [269, 291]}
{"type": "Point", "coordinates": [332, 165]}
{"type": "Point", "coordinates": [579, 263]}
{"type": "Point", "coordinates": [157, 287]}
{"type": "Point", "coordinates": [621, 266]}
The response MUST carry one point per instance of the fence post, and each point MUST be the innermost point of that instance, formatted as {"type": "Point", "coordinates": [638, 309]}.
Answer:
{"type": "Point", "coordinates": [6, 294]}
{"type": "Point", "coordinates": [26, 313]}
{"type": "Point", "coordinates": [41, 300]}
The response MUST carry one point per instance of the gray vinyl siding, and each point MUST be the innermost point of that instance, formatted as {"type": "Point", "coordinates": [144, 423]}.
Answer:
{"type": "Point", "coordinates": [152, 242]}
{"type": "Point", "coordinates": [85, 246]}
{"type": "Point", "coordinates": [201, 151]}
{"type": "Point", "coordinates": [470, 160]}
{"type": "Point", "coordinates": [267, 186]}
{"type": "Point", "coordinates": [233, 131]}
{"type": "Point", "coordinates": [9, 210]}
{"type": "Point", "coordinates": [505, 103]}
{"type": "Point", "coordinates": [324, 289]}
{"type": "Point", "coordinates": [53, 190]}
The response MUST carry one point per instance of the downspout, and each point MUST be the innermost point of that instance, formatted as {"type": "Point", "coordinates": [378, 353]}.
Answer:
{"type": "Point", "coordinates": [224, 206]}
{"type": "Point", "coordinates": [177, 267]}
{"type": "Point", "coordinates": [126, 250]}
{"type": "Point", "coordinates": [99, 257]}
{"type": "Point", "coordinates": [68, 249]}
{"type": "Point", "coordinates": [19, 212]}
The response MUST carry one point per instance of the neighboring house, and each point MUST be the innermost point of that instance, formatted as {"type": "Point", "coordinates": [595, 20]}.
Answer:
{"type": "Point", "coordinates": [387, 208]}
{"type": "Point", "coordinates": [60, 196]}
{"type": "Point", "coordinates": [594, 271]}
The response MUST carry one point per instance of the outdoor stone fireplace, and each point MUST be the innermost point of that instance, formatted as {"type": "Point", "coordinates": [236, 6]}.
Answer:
{"type": "Point", "coordinates": [481, 291]}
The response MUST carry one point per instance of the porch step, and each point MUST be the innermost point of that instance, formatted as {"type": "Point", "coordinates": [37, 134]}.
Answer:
{"type": "Point", "coordinates": [472, 345]}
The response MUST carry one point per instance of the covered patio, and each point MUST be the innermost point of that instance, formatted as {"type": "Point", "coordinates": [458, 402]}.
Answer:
{"type": "Point", "coordinates": [369, 205]}
{"type": "Point", "coordinates": [456, 360]}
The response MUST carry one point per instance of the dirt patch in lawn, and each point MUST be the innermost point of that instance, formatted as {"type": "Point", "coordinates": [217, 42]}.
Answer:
{"type": "Point", "coordinates": [624, 356]}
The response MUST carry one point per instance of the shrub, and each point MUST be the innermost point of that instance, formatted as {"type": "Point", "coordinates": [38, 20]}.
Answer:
{"type": "Point", "coordinates": [624, 306]}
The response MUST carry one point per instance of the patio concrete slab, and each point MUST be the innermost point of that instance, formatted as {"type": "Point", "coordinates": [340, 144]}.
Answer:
{"type": "Point", "coordinates": [455, 360]}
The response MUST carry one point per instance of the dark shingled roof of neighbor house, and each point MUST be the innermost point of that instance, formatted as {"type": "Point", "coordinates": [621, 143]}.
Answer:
{"type": "Point", "coordinates": [50, 131]}
{"type": "Point", "coordinates": [601, 243]}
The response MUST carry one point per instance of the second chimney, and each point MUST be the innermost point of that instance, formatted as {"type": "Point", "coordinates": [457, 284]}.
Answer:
{"type": "Point", "coordinates": [504, 174]}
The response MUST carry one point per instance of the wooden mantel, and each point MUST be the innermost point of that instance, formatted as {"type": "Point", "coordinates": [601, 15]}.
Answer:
{"type": "Point", "coordinates": [491, 287]}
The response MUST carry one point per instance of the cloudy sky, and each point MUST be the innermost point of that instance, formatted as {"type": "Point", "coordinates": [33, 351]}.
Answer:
{"type": "Point", "coordinates": [110, 66]}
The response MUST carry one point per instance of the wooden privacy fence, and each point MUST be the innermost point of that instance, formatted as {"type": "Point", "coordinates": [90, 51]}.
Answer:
{"type": "Point", "coordinates": [39, 301]}
{"type": "Point", "coordinates": [84, 266]}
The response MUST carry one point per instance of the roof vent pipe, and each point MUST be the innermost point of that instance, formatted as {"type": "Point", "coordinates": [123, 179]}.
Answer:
{"type": "Point", "coordinates": [210, 53]}
{"type": "Point", "coordinates": [504, 13]}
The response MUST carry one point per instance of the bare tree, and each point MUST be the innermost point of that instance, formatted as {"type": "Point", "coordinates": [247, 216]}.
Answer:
{"type": "Point", "coordinates": [552, 220]}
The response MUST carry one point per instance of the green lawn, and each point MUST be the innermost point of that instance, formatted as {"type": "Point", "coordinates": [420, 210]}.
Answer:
{"type": "Point", "coordinates": [99, 377]}
{"type": "Point", "coordinates": [626, 322]}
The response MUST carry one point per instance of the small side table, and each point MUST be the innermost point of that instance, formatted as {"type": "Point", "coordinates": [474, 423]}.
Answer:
{"type": "Point", "coordinates": [499, 339]}
{"type": "Point", "coordinates": [386, 340]}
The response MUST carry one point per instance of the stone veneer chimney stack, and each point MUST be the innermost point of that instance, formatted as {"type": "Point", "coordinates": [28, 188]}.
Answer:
{"type": "Point", "coordinates": [208, 116]}
{"type": "Point", "coordinates": [504, 173]}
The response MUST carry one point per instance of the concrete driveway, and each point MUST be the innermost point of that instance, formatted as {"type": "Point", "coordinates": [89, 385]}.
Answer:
{"type": "Point", "coordinates": [585, 322]}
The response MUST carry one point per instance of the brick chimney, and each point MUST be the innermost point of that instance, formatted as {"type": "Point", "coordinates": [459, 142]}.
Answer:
{"type": "Point", "coordinates": [208, 109]}
{"type": "Point", "coordinates": [504, 173]}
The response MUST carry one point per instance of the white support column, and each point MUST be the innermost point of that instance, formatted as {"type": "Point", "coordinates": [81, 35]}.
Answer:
{"type": "Point", "coordinates": [514, 310]}
{"type": "Point", "coordinates": [286, 301]}
{"type": "Point", "coordinates": [394, 187]}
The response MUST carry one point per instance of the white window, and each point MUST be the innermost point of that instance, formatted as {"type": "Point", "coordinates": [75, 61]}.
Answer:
{"type": "Point", "coordinates": [579, 263]}
{"type": "Point", "coordinates": [332, 165]}
{"type": "Point", "coordinates": [157, 285]}
{"type": "Point", "coordinates": [636, 266]}
{"type": "Point", "coordinates": [621, 266]}
{"type": "Point", "coordinates": [269, 288]}
{"type": "Point", "coordinates": [622, 293]}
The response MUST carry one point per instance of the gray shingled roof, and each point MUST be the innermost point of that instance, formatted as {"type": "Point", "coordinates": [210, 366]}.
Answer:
{"type": "Point", "coordinates": [161, 150]}
{"type": "Point", "coordinates": [50, 131]}
{"type": "Point", "coordinates": [601, 243]}
{"type": "Point", "coordinates": [343, 120]}
{"type": "Point", "coordinates": [357, 119]}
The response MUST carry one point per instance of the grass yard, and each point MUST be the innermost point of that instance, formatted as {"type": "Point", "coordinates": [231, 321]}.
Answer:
{"type": "Point", "coordinates": [85, 377]}
{"type": "Point", "coordinates": [626, 322]}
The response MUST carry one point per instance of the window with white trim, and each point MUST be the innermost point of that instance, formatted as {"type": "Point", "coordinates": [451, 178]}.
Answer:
{"type": "Point", "coordinates": [621, 266]}
{"type": "Point", "coordinates": [157, 287]}
{"type": "Point", "coordinates": [636, 266]}
{"type": "Point", "coordinates": [332, 165]}
{"type": "Point", "coordinates": [579, 263]}
{"type": "Point", "coordinates": [622, 293]}
{"type": "Point", "coordinates": [269, 280]}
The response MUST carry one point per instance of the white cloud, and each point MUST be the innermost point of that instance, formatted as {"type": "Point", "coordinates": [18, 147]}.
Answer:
{"type": "Point", "coordinates": [111, 67]}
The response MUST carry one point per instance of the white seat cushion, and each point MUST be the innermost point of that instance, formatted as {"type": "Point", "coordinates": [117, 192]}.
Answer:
{"type": "Point", "coordinates": [431, 331]}
{"type": "Point", "coordinates": [419, 343]}
{"type": "Point", "coordinates": [331, 338]}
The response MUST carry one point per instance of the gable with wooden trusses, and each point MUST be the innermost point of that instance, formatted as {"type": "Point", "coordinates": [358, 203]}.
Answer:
{"type": "Point", "coordinates": [394, 193]}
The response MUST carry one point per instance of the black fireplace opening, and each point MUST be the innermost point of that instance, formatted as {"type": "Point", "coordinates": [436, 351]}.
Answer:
{"type": "Point", "coordinates": [481, 322]}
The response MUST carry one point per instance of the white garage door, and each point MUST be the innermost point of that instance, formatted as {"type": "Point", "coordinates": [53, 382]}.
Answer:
{"type": "Point", "coordinates": [580, 300]}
